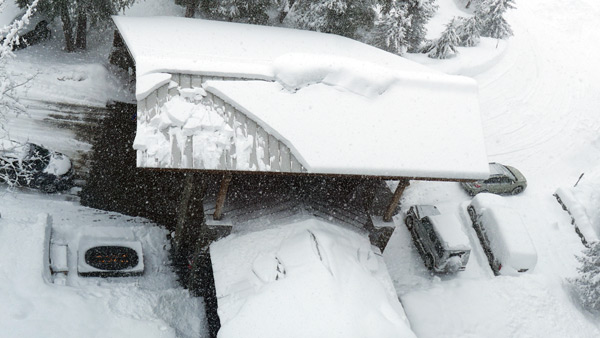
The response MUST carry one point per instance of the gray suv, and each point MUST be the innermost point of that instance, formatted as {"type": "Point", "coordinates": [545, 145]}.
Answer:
{"type": "Point", "coordinates": [439, 238]}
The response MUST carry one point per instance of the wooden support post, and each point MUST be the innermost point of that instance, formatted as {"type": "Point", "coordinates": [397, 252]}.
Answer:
{"type": "Point", "coordinates": [191, 224]}
{"type": "Point", "coordinates": [221, 197]}
{"type": "Point", "coordinates": [402, 184]}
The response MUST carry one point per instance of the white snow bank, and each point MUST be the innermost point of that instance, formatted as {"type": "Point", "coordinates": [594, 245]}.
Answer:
{"type": "Point", "coordinates": [424, 129]}
{"type": "Point", "coordinates": [145, 84]}
{"type": "Point", "coordinates": [305, 279]}
{"type": "Point", "coordinates": [582, 204]}
{"type": "Point", "coordinates": [177, 119]}
{"type": "Point", "coordinates": [148, 306]}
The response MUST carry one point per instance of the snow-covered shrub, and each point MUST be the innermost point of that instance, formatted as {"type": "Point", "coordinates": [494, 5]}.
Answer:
{"type": "Point", "coordinates": [390, 29]}
{"type": "Point", "coordinates": [445, 45]}
{"type": "Point", "coordinates": [586, 285]}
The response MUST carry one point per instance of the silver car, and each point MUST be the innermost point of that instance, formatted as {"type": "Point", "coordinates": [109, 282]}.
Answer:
{"type": "Point", "coordinates": [504, 180]}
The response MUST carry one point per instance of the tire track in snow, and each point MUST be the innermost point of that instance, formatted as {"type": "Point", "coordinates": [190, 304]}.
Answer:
{"type": "Point", "coordinates": [532, 100]}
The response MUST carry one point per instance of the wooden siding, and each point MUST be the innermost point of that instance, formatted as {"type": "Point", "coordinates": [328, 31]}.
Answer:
{"type": "Point", "coordinates": [267, 153]}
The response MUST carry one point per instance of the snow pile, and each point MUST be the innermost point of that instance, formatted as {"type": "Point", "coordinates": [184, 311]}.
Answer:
{"type": "Point", "coordinates": [149, 306]}
{"type": "Point", "coordinates": [295, 71]}
{"type": "Point", "coordinates": [165, 135]}
{"type": "Point", "coordinates": [582, 204]}
{"type": "Point", "coordinates": [58, 164]}
{"type": "Point", "coordinates": [305, 279]}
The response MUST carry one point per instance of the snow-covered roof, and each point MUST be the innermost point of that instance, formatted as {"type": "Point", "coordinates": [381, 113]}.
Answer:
{"type": "Point", "coordinates": [340, 106]}
{"type": "Point", "coordinates": [412, 129]}
{"type": "Point", "coordinates": [175, 44]}
{"type": "Point", "coordinates": [305, 279]}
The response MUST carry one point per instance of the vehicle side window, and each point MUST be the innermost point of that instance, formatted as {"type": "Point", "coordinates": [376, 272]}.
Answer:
{"type": "Point", "coordinates": [493, 180]}
{"type": "Point", "coordinates": [506, 180]}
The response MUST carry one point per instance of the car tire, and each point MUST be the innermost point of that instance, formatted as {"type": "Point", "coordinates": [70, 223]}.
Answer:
{"type": "Point", "coordinates": [517, 190]}
{"type": "Point", "coordinates": [410, 222]}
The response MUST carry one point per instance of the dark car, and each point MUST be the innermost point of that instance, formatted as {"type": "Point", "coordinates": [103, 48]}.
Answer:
{"type": "Point", "coordinates": [439, 238]}
{"type": "Point", "coordinates": [31, 165]}
{"type": "Point", "coordinates": [504, 180]}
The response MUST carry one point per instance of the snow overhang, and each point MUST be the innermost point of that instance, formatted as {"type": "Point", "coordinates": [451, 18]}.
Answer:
{"type": "Point", "coordinates": [421, 128]}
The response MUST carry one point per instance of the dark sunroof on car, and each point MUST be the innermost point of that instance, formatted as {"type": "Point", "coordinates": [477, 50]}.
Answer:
{"type": "Point", "coordinates": [497, 169]}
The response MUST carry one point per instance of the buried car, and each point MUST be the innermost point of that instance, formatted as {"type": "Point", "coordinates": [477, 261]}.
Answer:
{"type": "Point", "coordinates": [439, 238]}
{"type": "Point", "coordinates": [502, 234]}
{"type": "Point", "coordinates": [504, 180]}
{"type": "Point", "coordinates": [31, 165]}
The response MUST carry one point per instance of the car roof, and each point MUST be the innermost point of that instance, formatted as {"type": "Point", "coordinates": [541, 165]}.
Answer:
{"type": "Point", "coordinates": [450, 231]}
{"type": "Point", "coordinates": [509, 237]}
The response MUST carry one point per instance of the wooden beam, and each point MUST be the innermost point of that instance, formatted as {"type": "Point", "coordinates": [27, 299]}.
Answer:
{"type": "Point", "coordinates": [221, 196]}
{"type": "Point", "coordinates": [402, 184]}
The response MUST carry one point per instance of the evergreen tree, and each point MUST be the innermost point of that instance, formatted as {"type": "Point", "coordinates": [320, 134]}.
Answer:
{"type": "Point", "coordinates": [491, 12]}
{"type": "Point", "coordinates": [250, 11]}
{"type": "Point", "coordinates": [469, 31]}
{"type": "Point", "coordinates": [76, 15]}
{"type": "Point", "coordinates": [587, 285]}
{"type": "Point", "coordinates": [420, 12]}
{"type": "Point", "coordinates": [190, 6]}
{"type": "Point", "coordinates": [445, 46]}
{"type": "Point", "coordinates": [390, 30]}
{"type": "Point", "coordinates": [342, 17]}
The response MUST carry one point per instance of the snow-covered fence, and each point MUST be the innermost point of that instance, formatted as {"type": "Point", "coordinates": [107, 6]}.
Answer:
{"type": "Point", "coordinates": [241, 143]}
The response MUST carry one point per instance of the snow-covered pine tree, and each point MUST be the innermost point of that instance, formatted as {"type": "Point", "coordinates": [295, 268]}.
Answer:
{"type": "Point", "coordinates": [445, 45]}
{"type": "Point", "coordinates": [491, 14]}
{"type": "Point", "coordinates": [587, 285]}
{"type": "Point", "coordinates": [390, 30]}
{"type": "Point", "coordinates": [420, 12]}
{"type": "Point", "coordinates": [249, 11]}
{"type": "Point", "coordinates": [342, 17]}
{"type": "Point", "coordinates": [469, 31]}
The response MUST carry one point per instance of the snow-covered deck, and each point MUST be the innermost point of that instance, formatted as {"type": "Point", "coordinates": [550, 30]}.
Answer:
{"type": "Point", "coordinates": [280, 100]}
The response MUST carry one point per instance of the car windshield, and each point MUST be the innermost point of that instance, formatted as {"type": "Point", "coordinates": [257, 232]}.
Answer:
{"type": "Point", "coordinates": [497, 169]}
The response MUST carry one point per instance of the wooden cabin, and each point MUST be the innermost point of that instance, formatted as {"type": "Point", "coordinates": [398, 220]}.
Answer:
{"type": "Point", "coordinates": [240, 99]}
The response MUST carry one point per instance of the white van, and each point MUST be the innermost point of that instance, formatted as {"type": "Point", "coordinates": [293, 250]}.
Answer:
{"type": "Point", "coordinates": [502, 234]}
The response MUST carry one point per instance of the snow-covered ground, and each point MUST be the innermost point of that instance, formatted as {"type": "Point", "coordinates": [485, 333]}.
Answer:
{"type": "Point", "coordinates": [152, 305]}
{"type": "Point", "coordinates": [539, 101]}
